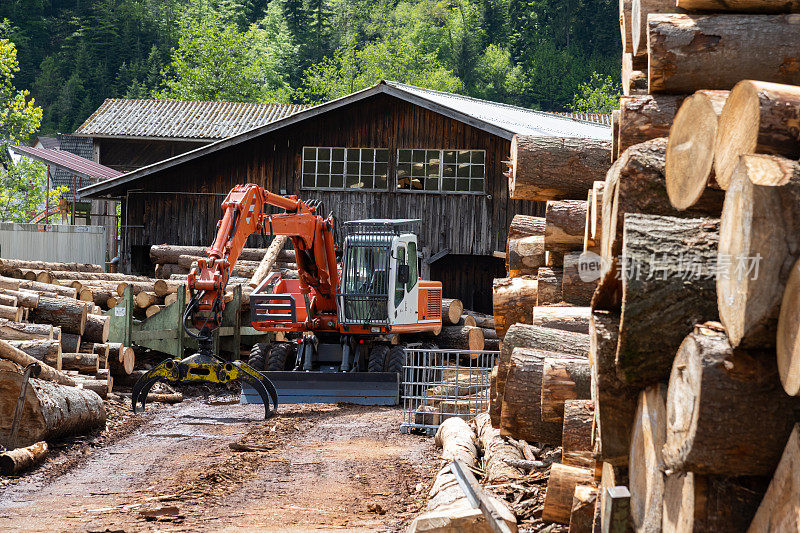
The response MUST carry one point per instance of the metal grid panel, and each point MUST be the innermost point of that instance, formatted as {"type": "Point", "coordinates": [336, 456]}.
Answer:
{"type": "Point", "coordinates": [440, 384]}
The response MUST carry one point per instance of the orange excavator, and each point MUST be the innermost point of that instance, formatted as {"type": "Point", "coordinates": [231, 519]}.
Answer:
{"type": "Point", "coordinates": [340, 315]}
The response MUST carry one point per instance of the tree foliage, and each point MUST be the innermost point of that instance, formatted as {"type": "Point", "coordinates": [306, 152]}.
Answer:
{"type": "Point", "coordinates": [598, 95]}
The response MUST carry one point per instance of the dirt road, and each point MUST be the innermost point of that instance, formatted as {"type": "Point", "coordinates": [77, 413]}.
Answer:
{"type": "Point", "coordinates": [313, 467]}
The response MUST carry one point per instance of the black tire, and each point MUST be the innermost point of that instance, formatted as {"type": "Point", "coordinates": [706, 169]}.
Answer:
{"type": "Point", "coordinates": [377, 358]}
{"type": "Point", "coordinates": [395, 359]}
{"type": "Point", "coordinates": [280, 357]}
{"type": "Point", "coordinates": [258, 356]}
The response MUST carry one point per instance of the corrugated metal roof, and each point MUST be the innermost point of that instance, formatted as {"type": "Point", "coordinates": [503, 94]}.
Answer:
{"type": "Point", "coordinates": [502, 120]}
{"type": "Point", "coordinates": [73, 164]}
{"type": "Point", "coordinates": [180, 119]}
{"type": "Point", "coordinates": [48, 142]}
{"type": "Point", "coordinates": [519, 120]}
{"type": "Point", "coordinates": [597, 118]}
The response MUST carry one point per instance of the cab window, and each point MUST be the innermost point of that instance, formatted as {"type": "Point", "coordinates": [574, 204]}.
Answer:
{"type": "Point", "coordinates": [412, 266]}
{"type": "Point", "coordinates": [399, 290]}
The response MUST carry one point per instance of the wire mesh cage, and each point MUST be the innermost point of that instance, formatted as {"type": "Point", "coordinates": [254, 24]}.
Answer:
{"type": "Point", "coordinates": [440, 384]}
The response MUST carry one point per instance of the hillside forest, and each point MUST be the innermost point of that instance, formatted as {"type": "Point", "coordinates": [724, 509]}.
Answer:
{"type": "Point", "coordinates": [555, 55]}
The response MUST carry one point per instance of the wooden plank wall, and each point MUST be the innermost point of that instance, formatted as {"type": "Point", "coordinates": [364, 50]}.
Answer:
{"type": "Point", "coordinates": [180, 205]}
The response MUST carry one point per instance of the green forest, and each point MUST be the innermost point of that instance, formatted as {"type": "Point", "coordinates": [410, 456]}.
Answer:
{"type": "Point", "coordinates": [555, 55]}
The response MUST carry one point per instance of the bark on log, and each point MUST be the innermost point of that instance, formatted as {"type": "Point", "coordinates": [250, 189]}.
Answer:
{"type": "Point", "coordinates": [50, 410]}
{"type": "Point", "coordinates": [8, 300]}
{"type": "Point", "coordinates": [163, 287]}
{"type": "Point", "coordinates": [576, 437]}
{"type": "Point", "coordinates": [495, 451]}
{"type": "Point", "coordinates": [268, 261]}
{"type": "Point", "coordinates": [788, 336]}
{"type": "Point", "coordinates": [69, 315]}
{"type": "Point", "coordinates": [520, 414]}
{"type": "Point", "coordinates": [625, 26]}
{"type": "Point", "coordinates": [9, 352]}
{"type": "Point", "coordinates": [70, 343]}
{"type": "Point", "coordinates": [554, 168]}
{"type": "Point", "coordinates": [60, 290]}
{"type": "Point", "coordinates": [584, 501]}
{"type": "Point", "coordinates": [560, 489]}
{"type": "Point", "coordinates": [741, 6]}
{"type": "Point", "coordinates": [548, 286]}
{"type": "Point", "coordinates": [97, 328]}
{"type": "Point", "coordinates": [695, 503]}
{"type": "Point", "coordinates": [757, 117]}
{"type": "Point", "coordinates": [85, 363]}
{"type": "Point", "coordinates": [615, 135]}
{"type": "Point", "coordinates": [575, 319]}
{"type": "Point", "coordinates": [690, 148]}
{"type": "Point", "coordinates": [101, 349]}
{"type": "Point", "coordinates": [513, 299]}
{"type": "Point", "coordinates": [47, 265]}
{"type": "Point", "coordinates": [640, 9]}
{"type": "Point", "coordinates": [662, 300]}
{"type": "Point", "coordinates": [121, 359]}
{"type": "Point", "coordinates": [716, 52]}
{"type": "Point", "coordinates": [646, 117]}
{"type": "Point", "coordinates": [169, 253]}
{"type": "Point", "coordinates": [563, 378]}
{"type": "Point", "coordinates": [164, 271]}
{"type": "Point", "coordinates": [45, 350]}
{"type": "Point", "coordinates": [594, 214]}
{"type": "Point", "coordinates": [525, 245]}
{"type": "Point", "coordinates": [713, 389]}
{"type": "Point", "coordinates": [575, 290]}
{"type": "Point", "coordinates": [19, 331]}
{"type": "Point", "coordinates": [615, 402]}
{"type": "Point", "coordinates": [11, 313]}
{"type": "Point", "coordinates": [780, 508]}
{"type": "Point", "coordinates": [21, 459]}
{"type": "Point", "coordinates": [644, 462]}
{"type": "Point", "coordinates": [89, 277]}
{"type": "Point", "coordinates": [26, 299]}
{"type": "Point", "coordinates": [565, 221]}
{"type": "Point", "coordinates": [457, 441]}
{"type": "Point", "coordinates": [452, 310]}
{"type": "Point", "coordinates": [494, 403]}
{"type": "Point", "coordinates": [98, 386]}
{"type": "Point", "coordinates": [637, 185]}
{"type": "Point", "coordinates": [460, 338]}
{"type": "Point", "coordinates": [760, 227]}
{"type": "Point", "coordinates": [634, 75]}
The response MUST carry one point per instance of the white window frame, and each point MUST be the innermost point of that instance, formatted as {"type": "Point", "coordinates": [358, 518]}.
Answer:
{"type": "Point", "coordinates": [441, 151]}
{"type": "Point", "coordinates": [344, 186]}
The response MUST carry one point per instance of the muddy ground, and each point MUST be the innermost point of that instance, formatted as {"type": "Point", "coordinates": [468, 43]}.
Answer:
{"type": "Point", "coordinates": [206, 465]}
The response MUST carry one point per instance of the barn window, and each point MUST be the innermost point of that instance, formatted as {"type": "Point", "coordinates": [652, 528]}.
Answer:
{"type": "Point", "coordinates": [455, 171]}
{"type": "Point", "coordinates": [345, 168]}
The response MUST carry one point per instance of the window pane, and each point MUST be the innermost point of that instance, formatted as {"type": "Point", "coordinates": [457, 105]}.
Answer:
{"type": "Point", "coordinates": [404, 175]}
{"type": "Point", "coordinates": [477, 156]}
{"type": "Point", "coordinates": [449, 156]}
{"type": "Point", "coordinates": [323, 167]}
{"type": "Point", "coordinates": [448, 184]}
{"type": "Point", "coordinates": [463, 156]}
{"type": "Point", "coordinates": [382, 156]}
{"type": "Point", "coordinates": [352, 167]}
{"type": "Point", "coordinates": [449, 171]}
{"type": "Point", "coordinates": [351, 180]}
{"type": "Point", "coordinates": [323, 153]}
{"type": "Point", "coordinates": [418, 156]}
{"type": "Point", "coordinates": [418, 169]}
{"type": "Point", "coordinates": [412, 266]}
{"type": "Point", "coordinates": [432, 156]}
{"type": "Point", "coordinates": [367, 182]}
{"type": "Point", "coordinates": [404, 156]}
{"type": "Point", "coordinates": [309, 153]}
{"type": "Point", "coordinates": [337, 167]}
{"type": "Point", "coordinates": [380, 181]}
{"type": "Point", "coordinates": [366, 169]}
{"type": "Point", "coordinates": [462, 185]}
{"type": "Point", "coordinates": [477, 171]}
{"type": "Point", "coordinates": [432, 170]}
{"type": "Point", "coordinates": [416, 183]}
{"type": "Point", "coordinates": [432, 184]}
{"type": "Point", "coordinates": [338, 154]}
{"type": "Point", "coordinates": [337, 181]}
{"type": "Point", "coordinates": [367, 154]}
{"type": "Point", "coordinates": [463, 170]}
{"type": "Point", "coordinates": [323, 180]}
{"type": "Point", "coordinates": [309, 166]}
{"type": "Point", "coordinates": [476, 185]}
{"type": "Point", "coordinates": [308, 180]}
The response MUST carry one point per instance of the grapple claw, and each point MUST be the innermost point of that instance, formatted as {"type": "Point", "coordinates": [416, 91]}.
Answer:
{"type": "Point", "coordinates": [167, 371]}
{"type": "Point", "coordinates": [265, 389]}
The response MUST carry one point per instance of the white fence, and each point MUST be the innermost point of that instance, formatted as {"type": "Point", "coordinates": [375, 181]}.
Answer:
{"type": "Point", "coordinates": [53, 242]}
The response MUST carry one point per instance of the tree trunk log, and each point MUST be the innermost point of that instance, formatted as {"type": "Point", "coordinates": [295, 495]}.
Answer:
{"type": "Point", "coordinates": [45, 265]}
{"type": "Point", "coordinates": [121, 359]}
{"type": "Point", "coordinates": [50, 410]}
{"type": "Point", "coordinates": [85, 363]}
{"type": "Point", "coordinates": [615, 402]}
{"type": "Point", "coordinates": [574, 290]}
{"type": "Point", "coordinates": [788, 336]}
{"type": "Point", "coordinates": [741, 6]}
{"type": "Point", "coordinates": [644, 462]}
{"type": "Point", "coordinates": [563, 378]}
{"type": "Point", "coordinates": [524, 255]}
{"type": "Point", "coordinates": [757, 117]}
{"type": "Point", "coordinates": [713, 389]}
{"type": "Point", "coordinates": [639, 11]}
{"type": "Point", "coordinates": [26, 299]}
{"type": "Point", "coordinates": [19, 331]}
{"type": "Point", "coordinates": [89, 277]}
{"type": "Point", "coordinates": [145, 299]}
{"type": "Point", "coordinates": [758, 222]}
{"type": "Point", "coordinates": [584, 501]}
{"type": "Point", "coordinates": [495, 451]}
{"type": "Point", "coordinates": [576, 437]}
{"type": "Point", "coordinates": [694, 503]}
{"type": "Point", "coordinates": [98, 386]}
{"type": "Point", "coordinates": [548, 286]}
{"type": "Point", "coordinates": [268, 261]}
{"type": "Point", "coordinates": [575, 319]}
{"type": "Point", "coordinates": [642, 118]}
{"type": "Point", "coordinates": [70, 343]}
{"type": "Point", "coordinates": [560, 489]}
{"type": "Point", "coordinates": [662, 297]}
{"type": "Point", "coordinates": [101, 350]}
{"type": "Point", "coordinates": [69, 315]}
{"type": "Point", "coordinates": [494, 403]}
{"type": "Point", "coordinates": [97, 328]}
{"type": "Point", "coordinates": [11, 353]}
{"type": "Point", "coordinates": [457, 441]}
{"type": "Point", "coordinates": [451, 310]}
{"type": "Point", "coordinates": [165, 270]}
{"type": "Point", "coordinates": [690, 148]}
{"type": "Point", "coordinates": [615, 135]}
{"type": "Point", "coordinates": [634, 76]}
{"type": "Point", "coordinates": [169, 253]}
{"type": "Point", "coordinates": [554, 168]}
{"type": "Point", "coordinates": [520, 415]}
{"type": "Point", "coordinates": [637, 185]}
{"type": "Point", "coordinates": [513, 299]}
{"type": "Point", "coordinates": [45, 350]}
{"type": "Point", "coordinates": [460, 338]}
{"type": "Point", "coordinates": [779, 510]}
{"type": "Point", "coordinates": [60, 290]}
{"type": "Point", "coordinates": [565, 221]}
{"type": "Point", "coordinates": [716, 52]}
{"type": "Point", "coordinates": [625, 26]}
{"type": "Point", "coordinates": [21, 459]}
{"type": "Point", "coordinates": [11, 313]}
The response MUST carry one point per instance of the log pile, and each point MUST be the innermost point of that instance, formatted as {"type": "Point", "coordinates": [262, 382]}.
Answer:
{"type": "Point", "coordinates": [682, 405]}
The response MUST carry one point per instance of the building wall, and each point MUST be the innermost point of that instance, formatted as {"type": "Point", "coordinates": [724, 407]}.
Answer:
{"type": "Point", "coordinates": [53, 242]}
{"type": "Point", "coordinates": [126, 155]}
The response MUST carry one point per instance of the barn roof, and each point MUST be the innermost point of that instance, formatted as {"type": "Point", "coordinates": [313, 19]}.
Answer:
{"type": "Point", "coordinates": [179, 119]}
{"type": "Point", "coordinates": [70, 162]}
{"type": "Point", "coordinates": [502, 120]}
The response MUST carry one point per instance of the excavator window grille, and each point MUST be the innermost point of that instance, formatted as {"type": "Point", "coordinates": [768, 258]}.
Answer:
{"type": "Point", "coordinates": [365, 279]}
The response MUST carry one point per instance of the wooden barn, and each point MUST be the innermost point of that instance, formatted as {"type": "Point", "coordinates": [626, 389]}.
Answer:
{"type": "Point", "coordinates": [389, 151]}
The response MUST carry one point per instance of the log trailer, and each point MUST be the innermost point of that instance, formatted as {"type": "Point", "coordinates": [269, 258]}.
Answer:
{"type": "Point", "coordinates": [342, 315]}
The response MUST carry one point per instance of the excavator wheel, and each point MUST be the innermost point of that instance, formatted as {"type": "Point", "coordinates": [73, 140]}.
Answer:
{"type": "Point", "coordinates": [258, 356]}
{"type": "Point", "coordinates": [395, 359]}
{"type": "Point", "coordinates": [281, 357]}
{"type": "Point", "coordinates": [377, 358]}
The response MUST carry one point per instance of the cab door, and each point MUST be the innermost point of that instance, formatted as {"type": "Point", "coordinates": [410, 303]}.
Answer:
{"type": "Point", "coordinates": [405, 287]}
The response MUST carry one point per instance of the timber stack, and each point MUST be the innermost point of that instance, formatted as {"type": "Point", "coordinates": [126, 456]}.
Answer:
{"type": "Point", "coordinates": [692, 325]}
